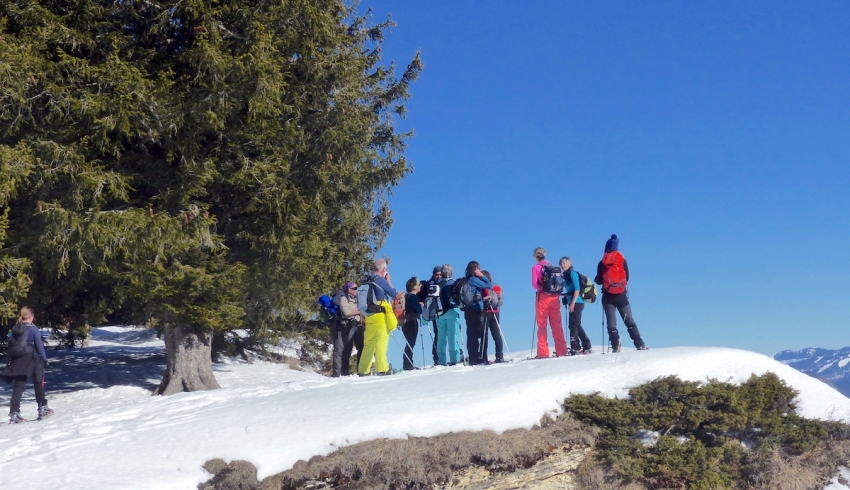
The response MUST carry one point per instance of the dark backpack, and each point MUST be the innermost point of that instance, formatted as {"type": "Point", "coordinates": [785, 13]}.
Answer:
{"type": "Point", "coordinates": [18, 346]}
{"type": "Point", "coordinates": [586, 288]}
{"type": "Point", "coordinates": [551, 279]}
{"type": "Point", "coordinates": [462, 293]}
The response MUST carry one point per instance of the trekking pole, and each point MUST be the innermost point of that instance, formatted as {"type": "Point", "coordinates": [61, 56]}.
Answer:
{"type": "Point", "coordinates": [482, 349]}
{"type": "Point", "coordinates": [459, 346]}
{"type": "Point", "coordinates": [412, 350]}
{"type": "Point", "coordinates": [534, 324]}
{"type": "Point", "coordinates": [422, 343]}
{"type": "Point", "coordinates": [603, 328]}
{"type": "Point", "coordinates": [433, 339]}
{"type": "Point", "coordinates": [502, 334]}
{"type": "Point", "coordinates": [403, 354]}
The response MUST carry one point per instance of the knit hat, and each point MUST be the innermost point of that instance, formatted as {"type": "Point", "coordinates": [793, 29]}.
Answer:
{"type": "Point", "coordinates": [349, 285]}
{"type": "Point", "coordinates": [612, 245]}
{"type": "Point", "coordinates": [437, 269]}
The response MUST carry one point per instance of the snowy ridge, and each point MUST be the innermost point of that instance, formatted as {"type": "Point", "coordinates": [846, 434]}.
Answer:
{"type": "Point", "coordinates": [830, 366]}
{"type": "Point", "coordinates": [116, 437]}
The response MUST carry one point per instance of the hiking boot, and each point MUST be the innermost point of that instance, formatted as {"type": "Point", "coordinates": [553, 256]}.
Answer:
{"type": "Point", "coordinates": [15, 418]}
{"type": "Point", "coordinates": [388, 373]}
{"type": "Point", "coordinates": [615, 346]}
{"type": "Point", "coordinates": [43, 412]}
{"type": "Point", "coordinates": [499, 360]}
{"type": "Point", "coordinates": [586, 351]}
{"type": "Point", "coordinates": [572, 352]}
{"type": "Point", "coordinates": [643, 347]}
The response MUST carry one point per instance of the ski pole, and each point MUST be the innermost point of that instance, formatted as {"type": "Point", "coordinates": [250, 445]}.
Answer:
{"type": "Point", "coordinates": [422, 343]}
{"type": "Point", "coordinates": [603, 328]}
{"type": "Point", "coordinates": [457, 340]}
{"type": "Point", "coordinates": [534, 323]}
{"type": "Point", "coordinates": [412, 350]}
{"type": "Point", "coordinates": [502, 334]}
{"type": "Point", "coordinates": [403, 353]}
{"type": "Point", "coordinates": [482, 349]}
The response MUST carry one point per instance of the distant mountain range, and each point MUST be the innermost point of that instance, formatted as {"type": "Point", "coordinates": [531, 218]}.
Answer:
{"type": "Point", "coordinates": [830, 366]}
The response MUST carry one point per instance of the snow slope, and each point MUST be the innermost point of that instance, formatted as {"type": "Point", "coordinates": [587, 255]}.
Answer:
{"type": "Point", "coordinates": [109, 437]}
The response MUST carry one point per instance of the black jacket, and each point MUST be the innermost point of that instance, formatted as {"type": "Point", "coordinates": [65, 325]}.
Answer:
{"type": "Point", "coordinates": [31, 365]}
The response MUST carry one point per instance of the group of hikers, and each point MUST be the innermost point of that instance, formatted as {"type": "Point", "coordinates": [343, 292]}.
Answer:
{"type": "Point", "coordinates": [364, 316]}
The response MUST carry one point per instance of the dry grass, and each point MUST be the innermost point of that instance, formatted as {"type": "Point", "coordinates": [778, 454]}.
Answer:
{"type": "Point", "coordinates": [809, 470]}
{"type": "Point", "coordinates": [413, 463]}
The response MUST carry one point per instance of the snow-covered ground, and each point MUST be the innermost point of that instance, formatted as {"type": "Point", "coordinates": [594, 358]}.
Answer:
{"type": "Point", "coordinates": [108, 432]}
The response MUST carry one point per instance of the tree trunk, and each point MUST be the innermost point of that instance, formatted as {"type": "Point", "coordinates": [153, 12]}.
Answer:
{"type": "Point", "coordinates": [188, 351]}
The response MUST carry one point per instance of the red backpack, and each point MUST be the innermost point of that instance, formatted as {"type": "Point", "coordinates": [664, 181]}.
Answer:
{"type": "Point", "coordinates": [614, 275]}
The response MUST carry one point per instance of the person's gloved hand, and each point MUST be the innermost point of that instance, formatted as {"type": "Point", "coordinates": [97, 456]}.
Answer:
{"type": "Point", "coordinates": [45, 364]}
{"type": "Point", "coordinates": [564, 300]}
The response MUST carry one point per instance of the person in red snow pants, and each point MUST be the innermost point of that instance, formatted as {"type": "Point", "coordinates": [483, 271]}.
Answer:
{"type": "Point", "coordinates": [547, 307]}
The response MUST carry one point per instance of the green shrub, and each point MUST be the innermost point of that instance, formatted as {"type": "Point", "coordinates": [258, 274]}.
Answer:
{"type": "Point", "coordinates": [709, 435]}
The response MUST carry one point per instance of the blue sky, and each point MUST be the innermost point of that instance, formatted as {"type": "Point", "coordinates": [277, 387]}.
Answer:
{"type": "Point", "coordinates": [713, 138]}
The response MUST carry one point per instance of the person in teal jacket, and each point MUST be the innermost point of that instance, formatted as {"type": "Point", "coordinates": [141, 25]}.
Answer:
{"type": "Point", "coordinates": [575, 305]}
{"type": "Point", "coordinates": [448, 322]}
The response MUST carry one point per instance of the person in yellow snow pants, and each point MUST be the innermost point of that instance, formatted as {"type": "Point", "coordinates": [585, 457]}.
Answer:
{"type": "Point", "coordinates": [375, 340]}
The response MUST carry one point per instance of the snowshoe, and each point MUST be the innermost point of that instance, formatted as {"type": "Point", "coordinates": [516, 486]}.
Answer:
{"type": "Point", "coordinates": [643, 347]}
{"type": "Point", "coordinates": [586, 351]}
{"type": "Point", "coordinates": [44, 412]}
{"type": "Point", "coordinates": [15, 418]}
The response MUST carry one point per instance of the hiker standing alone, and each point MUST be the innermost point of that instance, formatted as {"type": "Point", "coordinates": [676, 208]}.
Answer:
{"type": "Point", "coordinates": [612, 273]}
{"type": "Point", "coordinates": [27, 359]}
{"type": "Point", "coordinates": [547, 304]}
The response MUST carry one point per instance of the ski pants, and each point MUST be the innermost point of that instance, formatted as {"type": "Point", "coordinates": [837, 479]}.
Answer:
{"type": "Point", "coordinates": [18, 392]}
{"type": "Point", "coordinates": [475, 335]}
{"type": "Point", "coordinates": [410, 329]}
{"type": "Point", "coordinates": [549, 307]}
{"type": "Point", "coordinates": [346, 337]}
{"type": "Point", "coordinates": [491, 324]}
{"type": "Point", "coordinates": [434, 344]}
{"type": "Point", "coordinates": [613, 303]}
{"type": "Point", "coordinates": [448, 328]}
{"type": "Point", "coordinates": [375, 340]}
{"type": "Point", "coordinates": [577, 333]}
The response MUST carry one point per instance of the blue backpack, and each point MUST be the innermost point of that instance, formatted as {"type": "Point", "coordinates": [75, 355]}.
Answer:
{"type": "Point", "coordinates": [328, 310]}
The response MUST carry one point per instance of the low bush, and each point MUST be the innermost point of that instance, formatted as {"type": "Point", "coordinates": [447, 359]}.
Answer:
{"type": "Point", "coordinates": [671, 433]}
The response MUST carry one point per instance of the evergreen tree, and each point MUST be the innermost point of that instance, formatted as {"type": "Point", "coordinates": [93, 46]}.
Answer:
{"type": "Point", "coordinates": [200, 166]}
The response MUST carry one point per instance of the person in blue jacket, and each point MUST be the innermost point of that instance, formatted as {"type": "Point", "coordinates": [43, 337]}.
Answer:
{"type": "Point", "coordinates": [575, 305]}
{"type": "Point", "coordinates": [30, 365]}
{"type": "Point", "coordinates": [474, 313]}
